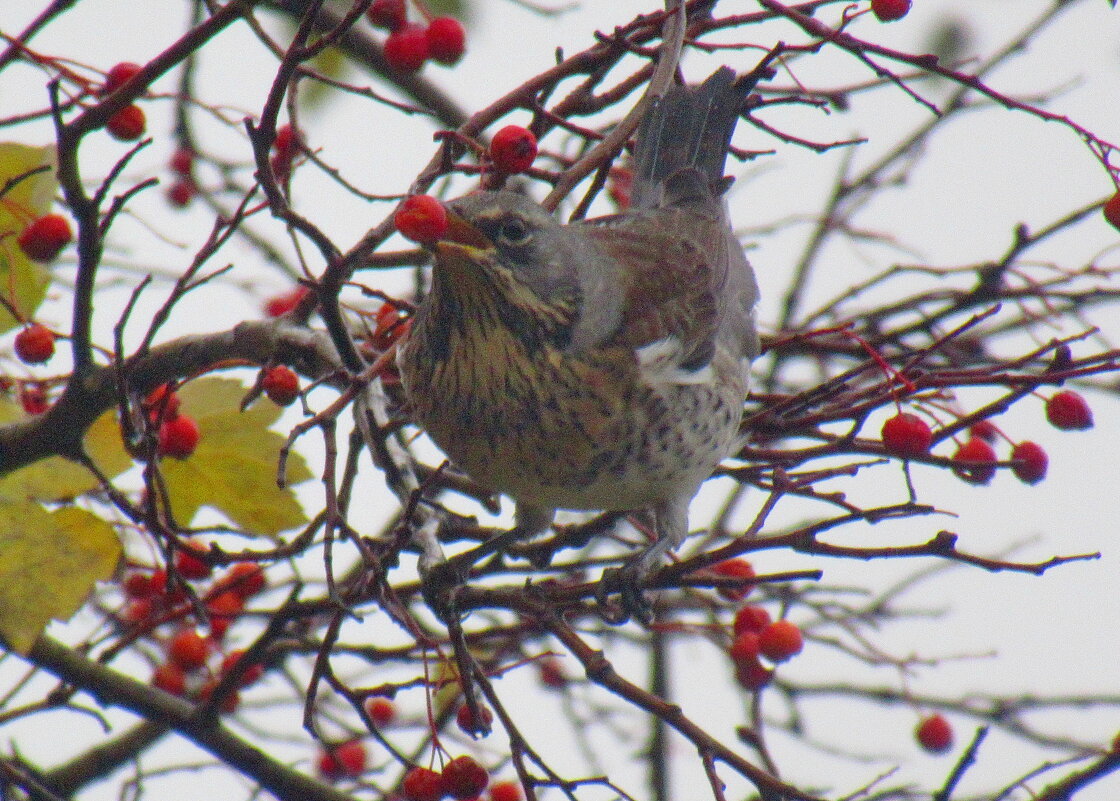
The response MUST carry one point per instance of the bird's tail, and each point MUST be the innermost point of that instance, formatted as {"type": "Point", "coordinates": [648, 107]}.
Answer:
{"type": "Point", "coordinates": [689, 127]}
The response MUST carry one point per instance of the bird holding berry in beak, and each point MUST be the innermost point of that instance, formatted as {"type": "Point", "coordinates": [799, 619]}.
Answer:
{"type": "Point", "coordinates": [602, 364]}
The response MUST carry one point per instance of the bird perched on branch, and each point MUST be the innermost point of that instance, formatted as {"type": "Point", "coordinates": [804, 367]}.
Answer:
{"type": "Point", "coordinates": [601, 364]}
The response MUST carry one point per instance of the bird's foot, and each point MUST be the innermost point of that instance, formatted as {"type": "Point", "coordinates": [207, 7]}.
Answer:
{"type": "Point", "coordinates": [632, 602]}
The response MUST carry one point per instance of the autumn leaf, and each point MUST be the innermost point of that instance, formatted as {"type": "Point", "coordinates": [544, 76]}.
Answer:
{"type": "Point", "coordinates": [233, 469]}
{"type": "Point", "coordinates": [49, 562]}
{"type": "Point", "coordinates": [23, 281]}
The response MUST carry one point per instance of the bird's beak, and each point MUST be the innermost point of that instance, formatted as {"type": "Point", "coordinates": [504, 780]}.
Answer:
{"type": "Point", "coordinates": [461, 238]}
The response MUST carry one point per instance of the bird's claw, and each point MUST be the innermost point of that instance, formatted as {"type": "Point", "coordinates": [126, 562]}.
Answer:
{"type": "Point", "coordinates": [632, 602]}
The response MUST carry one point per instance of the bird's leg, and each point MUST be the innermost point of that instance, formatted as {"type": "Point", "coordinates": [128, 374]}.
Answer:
{"type": "Point", "coordinates": [671, 526]}
{"type": "Point", "coordinates": [441, 577]}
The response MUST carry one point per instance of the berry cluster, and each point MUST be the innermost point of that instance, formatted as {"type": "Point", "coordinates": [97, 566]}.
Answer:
{"type": "Point", "coordinates": [194, 663]}
{"type": "Point", "coordinates": [183, 188]}
{"type": "Point", "coordinates": [129, 123]}
{"type": "Point", "coordinates": [178, 433]}
{"type": "Point", "coordinates": [908, 436]}
{"type": "Point", "coordinates": [411, 44]}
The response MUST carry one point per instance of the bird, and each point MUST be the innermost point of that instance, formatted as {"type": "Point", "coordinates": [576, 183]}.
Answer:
{"type": "Point", "coordinates": [600, 364]}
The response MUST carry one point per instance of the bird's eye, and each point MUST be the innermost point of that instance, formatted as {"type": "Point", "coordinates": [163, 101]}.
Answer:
{"type": "Point", "coordinates": [514, 232]}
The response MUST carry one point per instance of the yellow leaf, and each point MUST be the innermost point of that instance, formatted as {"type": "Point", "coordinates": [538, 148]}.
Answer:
{"type": "Point", "coordinates": [59, 479]}
{"type": "Point", "coordinates": [23, 282]}
{"type": "Point", "coordinates": [233, 470]}
{"type": "Point", "coordinates": [49, 562]}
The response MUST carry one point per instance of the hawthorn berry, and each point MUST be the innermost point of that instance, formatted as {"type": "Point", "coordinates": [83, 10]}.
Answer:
{"type": "Point", "coordinates": [781, 640]}
{"type": "Point", "coordinates": [138, 585]}
{"type": "Point", "coordinates": [934, 734]}
{"type": "Point", "coordinates": [421, 218]}
{"type": "Point", "coordinates": [552, 675]}
{"type": "Point", "coordinates": [513, 149]}
{"type": "Point", "coordinates": [45, 237]}
{"type": "Point", "coordinates": [244, 578]}
{"type": "Point", "coordinates": [281, 385]}
{"type": "Point", "coordinates": [280, 305]}
{"type": "Point", "coordinates": [464, 778]}
{"type": "Point", "coordinates": [34, 344]}
{"type": "Point", "coordinates": [182, 161]}
{"type": "Point", "coordinates": [1030, 461]}
{"type": "Point", "coordinates": [344, 761]}
{"type": "Point", "coordinates": [381, 710]}
{"type": "Point", "coordinates": [752, 674]}
{"type": "Point", "coordinates": [506, 790]}
{"type": "Point", "coordinates": [739, 569]}
{"type": "Point", "coordinates": [471, 724]}
{"type": "Point", "coordinates": [118, 75]}
{"type": "Point", "coordinates": [170, 678]}
{"type": "Point", "coordinates": [178, 437]}
{"type": "Point", "coordinates": [188, 563]}
{"type": "Point", "coordinates": [890, 10]}
{"type": "Point", "coordinates": [188, 649]}
{"type": "Point", "coordinates": [390, 326]}
{"type": "Point", "coordinates": [181, 193]}
{"type": "Point", "coordinates": [128, 124]}
{"type": "Point", "coordinates": [1112, 210]}
{"type": "Point", "coordinates": [1069, 411]}
{"type": "Point", "coordinates": [974, 462]}
{"type": "Point", "coordinates": [985, 430]}
{"type": "Point", "coordinates": [423, 784]}
{"type": "Point", "coordinates": [222, 610]}
{"type": "Point", "coordinates": [162, 403]}
{"type": "Point", "coordinates": [137, 611]}
{"type": "Point", "coordinates": [33, 399]}
{"type": "Point", "coordinates": [252, 672]}
{"type": "Point", "coordinates": [750, 618]}
{"type": "Point", "coordinates": [907, 435]}
{"type": "Point", "coordinates": [406, 48]}
{"type": "Point", "coordinates": [230, 701]}
{"type": "Point", "coordinates": [745, 647]}
{"type": "Point", "coordinates": [388, 14]}
{"type": "Point", "coordinates": [620, 186]}
{"type": "Point", "coordinates": [446, 40]}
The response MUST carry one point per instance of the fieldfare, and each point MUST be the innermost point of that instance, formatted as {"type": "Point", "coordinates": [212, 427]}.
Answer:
{"type": "Point", "coordinates": [599, 365]}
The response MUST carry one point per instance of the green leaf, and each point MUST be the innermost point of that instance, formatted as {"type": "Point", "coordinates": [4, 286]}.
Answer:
{"type": "Point", "coordinates": [233, 470]}
{"type": "Point", "coordinates": [49, 562]}
{"type": "Point", "coordinates": [23, 282]}
{"type": "Point", "coordinates": [57, 479]}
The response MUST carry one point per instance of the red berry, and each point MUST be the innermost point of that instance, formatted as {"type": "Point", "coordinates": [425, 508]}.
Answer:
{"type": "Point", "coordinates": [181, 193]}
{"type": "Point", "coordinates": [446, 40]}
{"type": "Point", "coordinates": [138, 585]}
{"type": "Point", "coordinates": [1030, 462]}
{"type": "Point", "coordinates": [985, 430]}
{"type": "Point", "coordinates": [752, 674]}
{"type": "Point", "coordinates": [421, 218]}
{"type": "Point", "coordinates": [738, 569]}
{"type": "Point", "coordinates": [45, 237]}
{"type": "Point", "coordinates": [230, 700]}
{"type": "Point", "coordinates": [381, 710]}
{"type": "Point", "coordinates": [890, 10]}
{"type": "Point", "coordinates": [33, 399]}
{"type": "Point", "coordinates": [552, 675]}
{"type": "Point", "coordinates": [162, 403]}
{"type": "Point", "coordinates": [170, 678]}
{"type": "Point", "coordinates": [280, 305]}
{"type": "Point", "coordinates": [464, 778]}
{"type": "Point", "coordinates": [975, 462]}
{"type": "Point", "coordinates": [281, 385]}
{"type": "Point", "coordinates": [423, 784]}
{"type": "Point", "coordinates": [182, 161]}
{"type": "Point", "coordinates": [128, 124]}
{"type": "Point", "coordinates": [506, 791]}
{"type": "Point", "coordinates": [188, 649]}
{"type": "Point", "coordinates": [907, 435]}
{"type": "Point", "coordinates": [388, 14]}
{"type": "Point", "coordinates": [222, 610]}
{"type": "Point", "coordinates": [472, 725]}
{"type": "Point", "coordinates": [935, 734]}
{"type": "Point", "coordinates": [252, 673]}
{"type": "Point", "coordinates": [620, 186]}
{"type": "Point", "coordinates": [244, 578]}
{"type": "Point", "coordinates": [34, 344]}
{"type": "Point", "coordinates": [178, 437]}
{"type": "Point", "coordinates": [746, 647]}
{"type": "Point", "coordinates": [118, 75]}
{"type": "Point", "coordinates": [286, 143]}
{"type": "Point", "coordinates": [781, 640]}
{"type": "Point", "coordinates": [390, 326]}
{"type": "Point", "coordinates": [750, 618]}
{"type": "Point", "coordinates": [137, 610]}
{"type": "Point", "coordinates": [513, 149]}
{"type": "Point", "coordinates": [189, 565]}
{"type": "Point", "coordinates": [1112, 210]}
{"type": "Point", "coordinates": [344, 761]}
{"type": "Point", "coordinates": [1069, 411]}
{"type": "Point", "coordinates": [406, 48]}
